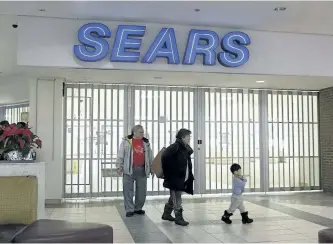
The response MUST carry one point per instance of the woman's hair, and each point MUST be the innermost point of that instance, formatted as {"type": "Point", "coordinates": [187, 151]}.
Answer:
{"type": "Point", "coordinates": [135, 128]}
{"type": "Point", "coordinates": [235, 167]}
{"type": "Point", "coordinates": [182, 133]}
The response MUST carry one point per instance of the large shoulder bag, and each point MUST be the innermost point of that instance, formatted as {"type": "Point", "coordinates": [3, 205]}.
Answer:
{"type": "Point", "coordinates": [157, 164]}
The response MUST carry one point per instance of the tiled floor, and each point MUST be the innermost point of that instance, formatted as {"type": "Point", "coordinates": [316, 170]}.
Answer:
{"type": "Point", "coordinates": [293, 218]}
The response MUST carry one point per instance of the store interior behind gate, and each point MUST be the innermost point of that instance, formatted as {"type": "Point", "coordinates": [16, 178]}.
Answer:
{"type": "Point", "coordinates": [267, 124]}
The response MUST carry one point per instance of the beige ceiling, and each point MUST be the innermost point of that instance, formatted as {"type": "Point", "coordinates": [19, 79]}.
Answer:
{"type": "Point", "coordinates": [300, 16]}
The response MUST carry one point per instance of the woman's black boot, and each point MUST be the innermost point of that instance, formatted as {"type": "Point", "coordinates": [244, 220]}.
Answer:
{"type": "Point", "coordinates": [167, 213]}
{"type": "Point", "coordinates": [179, 218]}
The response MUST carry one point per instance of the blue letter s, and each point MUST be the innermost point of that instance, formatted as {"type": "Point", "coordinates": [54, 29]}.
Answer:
{"type": "Point", "coordinates": [94, 47]}
{"type": "Point", "coordinates": [235, 53]}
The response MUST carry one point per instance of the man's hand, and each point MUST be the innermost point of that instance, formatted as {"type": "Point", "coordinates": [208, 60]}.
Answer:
{"type": "Point", "coordinates": [120, 172]}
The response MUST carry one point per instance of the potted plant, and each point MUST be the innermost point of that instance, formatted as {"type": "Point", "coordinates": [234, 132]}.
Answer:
{"type": "Point", "coordinates": [17, 143]}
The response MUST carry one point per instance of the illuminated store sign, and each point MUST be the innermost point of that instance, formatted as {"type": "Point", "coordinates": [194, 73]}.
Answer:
{"type": "Point", "coordinates": [229, 51]}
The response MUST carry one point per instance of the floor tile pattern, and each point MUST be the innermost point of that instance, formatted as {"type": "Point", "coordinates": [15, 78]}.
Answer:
{"type": "Point", "coordinates": [142, 229]}
{"type": "Point", "coordinates": [293, 218]}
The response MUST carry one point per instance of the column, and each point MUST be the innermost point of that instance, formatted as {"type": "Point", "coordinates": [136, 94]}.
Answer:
{"type": "Point", "coordinates": [326, 138]}
{"type": "Point", "coordinates": [46, 120]}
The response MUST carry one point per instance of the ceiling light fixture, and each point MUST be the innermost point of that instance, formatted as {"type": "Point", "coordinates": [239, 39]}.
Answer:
{"type": "Point", "coordinates": [279, 9]}
{"type": "Point", "coordinates": [260, 81]}
{"type": "Point", "coordinates": [197, 10]}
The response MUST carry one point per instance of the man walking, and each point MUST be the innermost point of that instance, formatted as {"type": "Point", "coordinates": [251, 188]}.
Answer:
{"type": "Point", "coordinates": [134, 163]}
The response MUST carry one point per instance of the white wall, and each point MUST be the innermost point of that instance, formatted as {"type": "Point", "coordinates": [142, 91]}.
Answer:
{"type": "Point", "coordinates": [46, 118]}
{"type": "Point", "coordinates": [14, 90]}
{"type": "Point", "coordinates": [49, 42]}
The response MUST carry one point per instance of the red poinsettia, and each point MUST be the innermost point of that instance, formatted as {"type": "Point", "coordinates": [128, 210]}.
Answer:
{"type": "Point", "coordinates": [22, 139]}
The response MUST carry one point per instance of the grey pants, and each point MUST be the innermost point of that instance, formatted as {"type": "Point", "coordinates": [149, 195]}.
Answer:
{"type": "Point", "coordinates": [236, 203]}
{"type": "Point", "coordinates": [175, 200]}
{"type": "Point", "coordinates": [140, 179]}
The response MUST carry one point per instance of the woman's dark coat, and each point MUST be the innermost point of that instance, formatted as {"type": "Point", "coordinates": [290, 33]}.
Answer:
{"type": "Point", "coordinates": [175, 159]}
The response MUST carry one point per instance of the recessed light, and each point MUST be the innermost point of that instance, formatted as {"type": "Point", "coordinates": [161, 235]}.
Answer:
{"type": "Point", "coordinates": [260, 81]}
{"type": "Point", "coordinates": [197, 10]}
{"type": "Point", "coordinates": [278, 9]}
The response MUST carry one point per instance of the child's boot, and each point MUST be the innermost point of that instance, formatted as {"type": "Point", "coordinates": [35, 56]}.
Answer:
{"type": "Point", "coordinates": [245, 218]}
{"type": "Point", "coordinates": [226, 217]}
{"type": "Point", "coordinates": [179, 218]}
{"type": "Point", "coordinates": [167, 213]}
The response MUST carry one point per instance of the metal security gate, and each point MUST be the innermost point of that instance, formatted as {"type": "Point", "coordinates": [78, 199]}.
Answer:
{"type": "Point", "coordinates": [231, 136]}
{"type": "Point", "coordinates": [162, 111]}
{"type": "Point", "coordinates": [273, 135]}
{"type": "Point", "coordinates": [99, 116]}
{"type": "Point", "coordinates": [293, 141]}
{"type": "Point", "coordinates": [95, 123]}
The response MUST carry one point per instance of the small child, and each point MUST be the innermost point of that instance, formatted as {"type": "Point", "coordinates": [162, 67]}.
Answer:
{"type": "Point", "coordinates": [238, 184]}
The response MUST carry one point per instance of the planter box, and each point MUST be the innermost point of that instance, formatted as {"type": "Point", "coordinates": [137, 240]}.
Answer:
{"type": "Point", "coordinates": [28, 168]}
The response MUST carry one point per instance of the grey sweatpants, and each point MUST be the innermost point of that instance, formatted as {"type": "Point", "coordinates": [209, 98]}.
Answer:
{"type": "Point", "coordinates": [140, 179]}
{"type": "Point", "coordinates": [175, 200]}
{"type": "Point", "coordinates": [236, 203]}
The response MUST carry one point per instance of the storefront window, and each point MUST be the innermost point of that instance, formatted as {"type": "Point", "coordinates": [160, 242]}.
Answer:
{"type": "Point", "coordinates": [13, 113]}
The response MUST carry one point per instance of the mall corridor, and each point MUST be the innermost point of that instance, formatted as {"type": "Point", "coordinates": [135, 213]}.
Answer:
{"type": "Point", "coordinates": [251, 80]}
{"type": "Point", "coordinates": [295, 218]}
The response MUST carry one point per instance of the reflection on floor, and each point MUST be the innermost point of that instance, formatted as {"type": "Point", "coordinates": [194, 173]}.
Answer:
{"type": "Point", "coordinates": [293, 218]}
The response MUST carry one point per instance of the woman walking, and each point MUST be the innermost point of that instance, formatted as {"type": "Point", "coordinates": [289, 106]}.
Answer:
{"type": "Point", "coordinates": [178, 176]}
